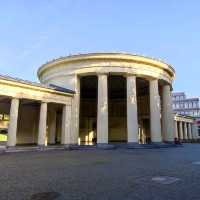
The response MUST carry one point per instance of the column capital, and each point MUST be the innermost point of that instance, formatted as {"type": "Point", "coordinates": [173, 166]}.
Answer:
{"type": "Point", "coordinates": [168, 85]}
{"type": "Point", "coordinates": [102, 73]}
{"type": "Point", "coordinates": [43, 102]}
{"type": "Point", "coordinates": [18, 98]}
{"type": "Point", "coordinates": [129, 75]}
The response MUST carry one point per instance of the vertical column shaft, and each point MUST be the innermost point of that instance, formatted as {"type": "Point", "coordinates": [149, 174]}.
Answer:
{"type": "Point", "coordinates": [132, 116]}
{"type": "Point", "coordinates": [167, 114]}
{"type": "Point", "coordinates": [176, 129]}
{"type": "Point", "coordinates": [190, 131]}
{"type": "Point", "coordinates": [155, 112]}
{"type": "Point", "coordinates": [42, 124]}
{"type": "Point", "coordinates": [185, 131]}
{"type": "Point", "coordinates": [102, 115]}
{"type": "Point", "coordinates": [194, 131]}
{"type": "Point", "coordinates": [66, 138]}
{"type": "Point", "coordinates": [12, 128]}
{"type": "Point", "coordinates": [181, 130]}
{"type": "Point", "coordinates": [75, 111]}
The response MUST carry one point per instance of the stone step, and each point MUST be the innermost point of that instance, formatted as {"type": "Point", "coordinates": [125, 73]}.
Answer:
{"type": "Point", "coordinates": [87, 147]}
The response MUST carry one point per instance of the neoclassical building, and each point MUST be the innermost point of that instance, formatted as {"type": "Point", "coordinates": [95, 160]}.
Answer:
{"type": "Point", "coordinates": [97, 98]}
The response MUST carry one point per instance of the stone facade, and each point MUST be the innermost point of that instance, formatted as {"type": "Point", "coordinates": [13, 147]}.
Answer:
{"type": "Point", "coordinates": [98, 98]}
{"type": "Point", "coordinates": [66, 72]}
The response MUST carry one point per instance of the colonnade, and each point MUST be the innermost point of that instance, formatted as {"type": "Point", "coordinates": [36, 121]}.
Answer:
{"type": "Point", "coordinates": [132, 115]}
{"type": "Point", "coordinates": [42, 129]}
{"type": "Point", "coordinates": [161, 120]}
{"type": "Point", "coordinates": [183, 130]}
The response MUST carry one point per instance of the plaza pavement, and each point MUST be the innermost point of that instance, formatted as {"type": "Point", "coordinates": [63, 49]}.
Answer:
{"type": "Point", "coordinates": [120, 174]}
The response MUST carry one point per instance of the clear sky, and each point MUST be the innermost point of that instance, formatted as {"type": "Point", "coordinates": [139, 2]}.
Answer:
{"type": "Point", "coordinates": [33, 32]}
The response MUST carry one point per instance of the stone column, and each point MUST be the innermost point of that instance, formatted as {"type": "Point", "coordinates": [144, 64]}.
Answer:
{"type": "Point", "coordinates": [190, 131]}
{"type": "Point", "coordinates": [176, 129]}
{"type": "Point", "coordinates": [66, 138]}
{"type": "Point", "coordinates": [75, 111]}
{"type": "Point", "coordinates": [42, 124]}
{"type": "Point", "coordinates": [132, 115]}
{"type": "Point", "coordinates": [194, 131]}
{"type": "Point", "coordinates": [167, 114]}
{"type": "Point", "coordinates": [155, 112]}
{"type": "Point", "coordinates": [181, 130]}
{"type": "Point", "coordinates": [102, 111]}
{"type": "Point", "coordinates": [185, 131]}
{"type": "Point", "coordinates": [52, 126]}
{"type": "Point", "coordinates": [12, 128]}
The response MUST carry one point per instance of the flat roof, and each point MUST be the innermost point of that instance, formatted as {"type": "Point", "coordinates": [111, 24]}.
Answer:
{"type": "Point", "coordinates": [51, 86]}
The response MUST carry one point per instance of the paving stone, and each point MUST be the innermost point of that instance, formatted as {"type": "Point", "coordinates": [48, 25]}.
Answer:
{"type": "Point", "coordinates": [196, 163]}
{"type": "Point", "coordinates": [119, 174]}
{"type": "Point", "coordinates": [165, 180]}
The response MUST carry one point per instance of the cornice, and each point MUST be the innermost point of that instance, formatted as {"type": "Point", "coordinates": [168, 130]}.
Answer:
{"type": "Point", "coordinates": [120, 57]}
{"type": "Point", "coordinates": [35, 88]}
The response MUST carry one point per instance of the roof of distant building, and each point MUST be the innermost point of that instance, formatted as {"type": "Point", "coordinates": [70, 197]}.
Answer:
{"type": "Point", "coordinates": [178, 93]}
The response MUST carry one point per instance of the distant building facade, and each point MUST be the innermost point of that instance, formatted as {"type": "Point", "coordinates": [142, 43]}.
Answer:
{"type": "Point", "coordinates": [185, 106]}
{"type": "Point", "coordinates": [188, 107]}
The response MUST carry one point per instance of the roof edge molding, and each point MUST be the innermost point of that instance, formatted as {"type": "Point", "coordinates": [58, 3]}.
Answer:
{"type": "Point", "coordinates": [107, 58]}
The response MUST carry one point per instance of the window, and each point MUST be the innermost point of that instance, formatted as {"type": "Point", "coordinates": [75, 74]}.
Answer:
{"type": "Point", "coordinates": [186, 105]}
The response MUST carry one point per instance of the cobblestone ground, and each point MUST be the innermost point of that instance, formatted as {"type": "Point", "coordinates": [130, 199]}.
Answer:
{"type": "Point", "coordinates": [100, 174]}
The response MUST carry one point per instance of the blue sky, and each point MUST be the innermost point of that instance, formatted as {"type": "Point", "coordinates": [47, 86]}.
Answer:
{"type": "Point", "coordinates": [33, 32]}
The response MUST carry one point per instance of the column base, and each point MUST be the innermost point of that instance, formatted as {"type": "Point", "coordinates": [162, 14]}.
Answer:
{"type": "Point", "coordinates": [41, 147]}
{"type": "Point", "coordinates": [11, 147]}
{"type": "Point", "coordinates": [142, 146]}
{"type": "Point", "coordinates": [105, 146]}
{"type": "Point", "coordinates": [133, 145]}
{"type": "Point", "coordinates": [169, 142]}
{"type": "Point", "coordinates": [163, 145]}
{"type": "Point", "coordinates": [70, 146]}
{"type": "Point", "coordinates": [52, 143]}
{"type": "Point", "coordinates": [155, 145]}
